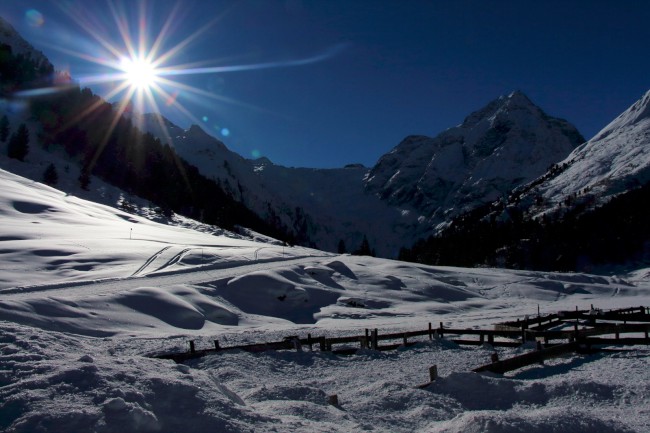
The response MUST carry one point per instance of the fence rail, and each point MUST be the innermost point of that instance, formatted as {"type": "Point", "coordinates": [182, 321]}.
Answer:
{"type": "Point", "coordinates": [508, 334]}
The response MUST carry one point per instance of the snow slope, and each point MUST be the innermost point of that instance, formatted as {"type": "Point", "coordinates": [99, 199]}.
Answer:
{"type": "Point", "coordinates": [81, 305]}
{"type": "Point", "coordinates": [613, 161]}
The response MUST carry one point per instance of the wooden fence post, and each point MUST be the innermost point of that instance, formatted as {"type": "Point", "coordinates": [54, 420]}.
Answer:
{"type": "Point", "coordinates": [405, 340]}
{"type": "Point", "coordinates": [364, 342]}
{"type": "Point", "coordinates": [440, 332]}
{"type": "Point", "coordinates": [433, 373]}
{"type": "Point", "coordinates": [374, 342]}
{"type": "Point", "coordinates": [216, 345]}
{"type": "Point", "coordinates": [323, 344]}
{"type": "Point", "coordinates": [192, 350]}
{"type": "Point", "coordinates": [494, 357]}
{"type": "Point", "coordinates": [430, 332]}
{"type": "Point", "coordinates": [309, 342]}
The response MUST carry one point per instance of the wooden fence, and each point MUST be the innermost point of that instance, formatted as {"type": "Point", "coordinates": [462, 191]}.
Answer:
{"type": "Point", "coordinates": [583, 326]}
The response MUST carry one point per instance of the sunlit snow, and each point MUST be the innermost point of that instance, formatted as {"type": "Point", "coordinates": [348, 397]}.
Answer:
{"type": "Point", "coordinates": [87, 292]}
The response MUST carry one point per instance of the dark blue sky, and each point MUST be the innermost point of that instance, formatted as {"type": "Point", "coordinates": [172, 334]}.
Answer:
{"type": "Point", "coordinates": [384, 69]}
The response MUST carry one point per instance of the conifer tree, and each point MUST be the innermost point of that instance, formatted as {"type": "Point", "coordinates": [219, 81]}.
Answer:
{"type": "Point", "coordinates": [50, 175]}
{"type": "Point", "coordinates": [4, 128]}
{"type": "Point", "coordinates": [364, 249]}
{"type": "Point", "coordinates": [84, 178]}
{"type": "Point", "coordinates": [342, 249]}
{"type": "Point", "coordinates": [18, 146]}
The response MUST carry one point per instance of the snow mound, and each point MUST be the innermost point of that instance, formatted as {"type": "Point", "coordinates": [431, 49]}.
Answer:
{"type": "Point", "coordinates": [163, 306]}
{"type": "Point", "coordinates": [52, 389]}
{"type": "Point", "coordinates": [288, 295]}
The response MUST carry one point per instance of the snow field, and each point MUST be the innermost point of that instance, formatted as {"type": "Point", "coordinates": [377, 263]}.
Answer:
{"type": "Point", "coordinates": [82, 307]}
{"type": "Point", "coordinates": [54, 382]}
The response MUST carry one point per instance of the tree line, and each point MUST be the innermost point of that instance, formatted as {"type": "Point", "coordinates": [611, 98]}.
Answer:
{"type": "Point", "coordinates": [577, 239]}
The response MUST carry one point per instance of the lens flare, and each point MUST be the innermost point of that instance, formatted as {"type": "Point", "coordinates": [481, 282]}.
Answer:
{"type": "Point", "coordinates": [138, 72]}
{"type": "Point", "coordinates": [34, 18]}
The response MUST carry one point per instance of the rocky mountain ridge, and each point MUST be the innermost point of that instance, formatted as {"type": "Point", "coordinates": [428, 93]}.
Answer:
{"type": "Point", "coordinates": [418, 186]}
{"type": "Point", "coordinates": [506, 144]}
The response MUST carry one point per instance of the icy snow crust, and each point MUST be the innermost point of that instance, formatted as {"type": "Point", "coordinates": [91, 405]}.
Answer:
{"type": "Point", "coordinates": [84, 300]}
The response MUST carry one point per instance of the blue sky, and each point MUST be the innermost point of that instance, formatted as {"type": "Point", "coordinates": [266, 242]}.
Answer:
{"type": "Point", "coordinates": [359, 76]}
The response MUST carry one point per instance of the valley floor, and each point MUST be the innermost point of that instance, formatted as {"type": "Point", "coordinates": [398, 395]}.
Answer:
{"type": "Point", "coordinates": [88, 293]}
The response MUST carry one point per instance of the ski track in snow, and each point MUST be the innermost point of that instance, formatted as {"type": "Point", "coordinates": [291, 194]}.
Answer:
{"type": "Point", "coordinates": [191, 276]}
{"type": "Point", "coordinates": [150, 261]}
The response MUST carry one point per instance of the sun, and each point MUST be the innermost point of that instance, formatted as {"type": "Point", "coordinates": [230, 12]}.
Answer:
{"type": "Point", "coordinates": [139, 73]}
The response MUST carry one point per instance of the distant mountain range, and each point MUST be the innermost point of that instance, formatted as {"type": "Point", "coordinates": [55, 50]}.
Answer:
{"type": "Point", "coordinates": [509, 151]}
{"type": "Point", "coordinates": [413, 190]}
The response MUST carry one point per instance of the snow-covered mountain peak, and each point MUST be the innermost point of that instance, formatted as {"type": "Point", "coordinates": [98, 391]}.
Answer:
{"type": "Point", "coordinates": [506, 143]}
{"type": "Point", "coordinates": [502, 107]}
{"type": "Point", "coordinates": [261, 161]}
{"type": "Point", "coordinates": [195, 131]}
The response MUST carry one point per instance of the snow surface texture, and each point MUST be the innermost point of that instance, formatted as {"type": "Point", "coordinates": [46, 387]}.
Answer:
{"type": "Point", "coordinates": [82, 305]}
{"type": "Point", "coordinates": [615, 160]}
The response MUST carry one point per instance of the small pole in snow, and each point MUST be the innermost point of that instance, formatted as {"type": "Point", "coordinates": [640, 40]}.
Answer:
{"type": "Point", "coordinates": [433, 372]}
{"type": "Point", "coordinates": [538, 310]}
{"type": "Point", "coordinates": [130, 233]}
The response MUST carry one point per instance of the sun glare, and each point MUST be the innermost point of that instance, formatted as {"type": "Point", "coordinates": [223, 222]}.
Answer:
{"type": "Point", "coordinates": [140, 74]}
{"type": "Point", "coordinates": [137, 71]}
